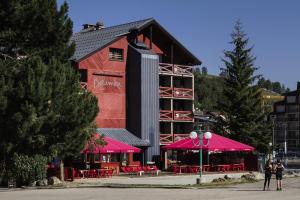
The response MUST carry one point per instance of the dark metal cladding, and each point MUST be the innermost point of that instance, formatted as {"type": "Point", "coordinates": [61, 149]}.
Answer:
{"type": "Point", "coordinates": [143, 98]}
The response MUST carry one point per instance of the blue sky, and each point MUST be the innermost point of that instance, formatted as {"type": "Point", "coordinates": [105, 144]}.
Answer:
{"type": "Point", "coordinates": [204, 27]}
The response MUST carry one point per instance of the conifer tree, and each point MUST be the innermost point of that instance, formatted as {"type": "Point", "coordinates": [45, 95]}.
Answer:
{"type": "Point", "coordinates": [43, 110]}
{"type": "Point", "coordinates": [35, 27]}
{"type": "Point", "coordinates": [242, 103]}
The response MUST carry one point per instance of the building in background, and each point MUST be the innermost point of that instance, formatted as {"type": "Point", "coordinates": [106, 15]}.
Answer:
{"type": "Point", "coordinates": [287, 123]}
{"type": "Point", "coordinates": [143, 79]}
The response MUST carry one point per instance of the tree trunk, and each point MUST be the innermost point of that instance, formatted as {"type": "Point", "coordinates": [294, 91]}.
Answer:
{"type": "Point", "coordinates": [62, 170]}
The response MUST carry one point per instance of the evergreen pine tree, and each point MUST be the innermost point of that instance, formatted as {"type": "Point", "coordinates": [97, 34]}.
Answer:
{"type": "Point", "coordinates": [35, 27]}
{"type": "Point", "coordinates": [43, 110]}
{"type": "Point", "coordinates": [242, 103]}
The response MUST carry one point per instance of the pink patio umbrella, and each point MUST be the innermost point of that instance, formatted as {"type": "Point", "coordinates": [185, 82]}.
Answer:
{"type": "Point", "coordinates": [112, 146]}
{"type": "Point", "coordinates": [216, 143]}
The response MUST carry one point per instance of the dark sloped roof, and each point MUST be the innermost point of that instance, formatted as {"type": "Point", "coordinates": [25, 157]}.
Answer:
{"type": "Point", "coordinates": [123, 135]}
{"type": "Point", "coordinates": [88, 42]}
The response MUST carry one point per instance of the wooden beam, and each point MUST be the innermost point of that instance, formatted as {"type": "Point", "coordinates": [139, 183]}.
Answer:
{"type": "Point", "coordinates": [172, 54]}
{"type": "Point", "coordinates": [150, 37]}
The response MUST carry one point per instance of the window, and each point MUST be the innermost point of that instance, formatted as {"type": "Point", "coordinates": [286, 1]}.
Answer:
{"type": "Point", "coordinates": [116, 54]}
{"type": "Point", "coordinates": [292, 108]}
{"type": "Point", "coordinates": [83, 75]}
{"type": "Point", "coordinates": [292, 134]}
{"type": "Point", "coordinates": [280, 108]}
{"type": "Point", "coordinates": [291, 99]}
{"type": "Point", "coordinates": [97, 158]}
{"type": "Point", "coordinates": [292, 117]}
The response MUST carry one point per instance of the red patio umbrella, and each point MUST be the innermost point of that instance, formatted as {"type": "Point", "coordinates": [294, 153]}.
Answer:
{"type": "Point", "coordinates": [112, 146]}
{"type": "Point", "coordinates": [216, 143]}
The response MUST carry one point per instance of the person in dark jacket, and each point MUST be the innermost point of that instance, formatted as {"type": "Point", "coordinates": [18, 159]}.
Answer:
{"type": "Point", "coordinates": [279, 170]}
{"type": "Point", "coordinates": [268, 174]}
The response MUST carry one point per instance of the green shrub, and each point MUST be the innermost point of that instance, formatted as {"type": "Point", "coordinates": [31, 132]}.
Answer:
{"type": "Point", "coordinates": [26, 169]}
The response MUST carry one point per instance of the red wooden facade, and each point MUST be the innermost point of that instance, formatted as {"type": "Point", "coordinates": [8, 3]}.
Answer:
{"type": "Point", "coordinates": [106, 79]}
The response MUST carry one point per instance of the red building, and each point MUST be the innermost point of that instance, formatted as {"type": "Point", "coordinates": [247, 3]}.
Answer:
{"type": "Point", "coordinates": [143, 79]}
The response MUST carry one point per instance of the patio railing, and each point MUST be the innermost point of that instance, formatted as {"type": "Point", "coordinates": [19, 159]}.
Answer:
{"type": "Point", "coordinates": [167, 68]}
{"type": "Point", "coordinates": [185, 93]}
{"type": "Point", "coordinates": [165, 91]}
{"type": "Point", "coordinates": [183, 115]}
{"type": "Point", "coordinates": [166, 115]}
{"type": "Point", "coordinates": [83, 85]}
{"type": "Point", "coordinates": [166, 139]}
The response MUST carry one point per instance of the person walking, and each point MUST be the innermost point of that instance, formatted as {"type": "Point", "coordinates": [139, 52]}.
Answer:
{"type": "Point", "coordinates": [268, 174]}
{"type": "Point", "coordinates": [278, 170]}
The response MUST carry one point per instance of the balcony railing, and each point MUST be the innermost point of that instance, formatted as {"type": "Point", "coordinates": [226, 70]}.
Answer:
{"type": "Point", "coordinates": [167, 68]}
{"type": "Point", "coordinates": [180, 136]}
{"type": "Point", "coordinates": [183, 70]}
{"type": "Point", "coordinates": [83, 85]}
{"type": "Point", "coordinates": [166, 138]}
{"type": "Point", "coordinates": [166, 115]}
{"type": "Point", "coordinates": [170, 138]}
{"type": "Point", "coordinates": [186, 93]}
{"type": "Point", "coordinates": [293, 119]}
{"type": "Point", "coordinates": [183, 115]}
{"type": "Point", "coordinates": [182, 93]}
{"type": "Point", "coordinates": [176, 115]}
{"type": "Point", "coordinates": [165, 92]}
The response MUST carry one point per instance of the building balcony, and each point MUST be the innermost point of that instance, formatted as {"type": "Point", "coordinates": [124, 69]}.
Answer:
{"type": "Point", "coordinates": [170, 138]}
{"type": "Point", "coordinates": [180, 136]}
{"type": "Point", "coordinates": [83, 85]}
{"type": "Point", "coordinates": [165, 68]}
{"type": "Point", "coordinates": [170, 69]}
{"type": "Point", "coordinates": [184, 93]}
{"type": "Point", "coordinates": [166, 115]}
{"type": "Point", "coordinates": [165, 92]}
{"type": "Point", "coordinates": [169, 115]}
{"type": "Point", "coordinates": [165, 139]}
{"type": "Point", "coordinates": [179, 93]}
{"type": "Point", "coordinates": [293, 119]}
{"type": "Point", "coordinates": [183, 116]}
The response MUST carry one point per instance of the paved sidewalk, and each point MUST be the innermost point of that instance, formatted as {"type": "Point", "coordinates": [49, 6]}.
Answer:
{"type": "Point", "coordinates": [248, 191]}
{"type": "Point", "coordinates": [160, 180]}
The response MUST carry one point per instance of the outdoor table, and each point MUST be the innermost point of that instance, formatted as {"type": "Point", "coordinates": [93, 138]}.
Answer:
{"type": "Point", "coordinates": [83, 173]}
{"type": "Point", "coordinates": [104, 172]}
{"type": "Point", "coordinates": [223, 168]}
{"type": "Point", "coordinates": [182, 168]}
{"type": "Point", "coordinates": [238, 167]}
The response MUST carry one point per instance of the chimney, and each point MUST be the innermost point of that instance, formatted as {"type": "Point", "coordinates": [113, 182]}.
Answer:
{"type": "Point", "coordinates": [298, 87]}
{"type": "Point", "coordinates": [99, 25]}
{"type": "Point", "coordinates": [88, 26]}
{"type": "Point", "coordinates": [91, 27]}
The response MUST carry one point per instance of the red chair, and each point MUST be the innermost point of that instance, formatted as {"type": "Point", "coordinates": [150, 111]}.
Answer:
{"type": "Point", "coordinates": [102, 173]}
{"type": "Point", "coordinates": [109, 172]}
{"type": "Point", "coordinates": [242, 165]}
{"type": "Point", "coordinates": [155, 169]}
{"type": "Point", "coordinates": [66, 172]}
{"type": "Point", "coordinates": [92, 173]}
{"type": "Point", "coordinates": [130, 170]}
{"type": "Point", "coordinates": [175, 169]}
{"type": "Point", "coordinates": [140, 171]}
{"type": "Point", "coordinates": [123, 169]}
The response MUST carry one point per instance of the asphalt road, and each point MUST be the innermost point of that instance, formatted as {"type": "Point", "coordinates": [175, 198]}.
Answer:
{"type": "Point", "coordinates": [253, 191]}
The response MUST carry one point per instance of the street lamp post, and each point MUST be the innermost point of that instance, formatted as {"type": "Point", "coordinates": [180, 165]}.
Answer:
{"type": "Point", "coordinates": [273, 118]}
{"type": "Point", "coordinates": [285, 145]}
{"type": "Point", "coordinates": [207, 136]}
